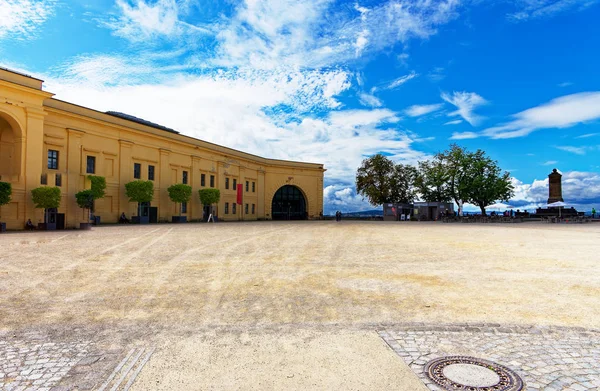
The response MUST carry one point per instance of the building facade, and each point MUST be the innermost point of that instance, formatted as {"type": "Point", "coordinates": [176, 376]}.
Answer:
{"type": "Point", "coordinates": [48, 142]}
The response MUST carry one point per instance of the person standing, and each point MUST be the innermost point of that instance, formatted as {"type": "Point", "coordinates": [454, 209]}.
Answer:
{"type": "Point", "coordinates": [593, 213]}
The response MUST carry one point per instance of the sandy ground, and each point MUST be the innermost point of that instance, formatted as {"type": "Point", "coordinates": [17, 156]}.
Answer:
{"type": "Point", "coordinates": [303, 281]}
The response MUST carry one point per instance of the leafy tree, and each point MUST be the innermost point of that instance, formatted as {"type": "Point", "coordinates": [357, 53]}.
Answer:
{"type": "Point", "coordinates": [85, 200]}
{"type": "Point", "coordinates": [483, 181]}
{"type": "Point", "coordinates": [381, 181]}
{"type": "Point", "coordinates": [139, 191]}
{"type": "Point", "coordinates": [180, 193]}
{"type": "Point", "coordinates": [98, 186]}
{"type": "Point", "coordinates": [455, 162]}
{"type": "Point", "coordinates": [46, 197]}
{"type": "Point", "coordinates": [209, 196]}
{"type": "Point", "coordinates": [433, 181]}
{"type": "Point", "coordinates": [5, 193]}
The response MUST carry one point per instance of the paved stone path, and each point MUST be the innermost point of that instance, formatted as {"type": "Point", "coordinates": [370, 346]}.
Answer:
{"type": "Point", "coordinates": [547, 359]}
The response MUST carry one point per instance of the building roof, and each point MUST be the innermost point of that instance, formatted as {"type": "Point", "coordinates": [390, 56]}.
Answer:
{"type": "Point", "coordinates": [141, 121]}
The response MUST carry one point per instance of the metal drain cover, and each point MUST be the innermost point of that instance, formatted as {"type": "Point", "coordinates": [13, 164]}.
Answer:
{"type": "Point", "coordinates": [463, 373]}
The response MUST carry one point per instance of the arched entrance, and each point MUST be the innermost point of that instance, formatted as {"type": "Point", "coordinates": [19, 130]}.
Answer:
{"type": "Point", "coordinates": [10, 148]}
{"type": "Point", "coordinates": [288, 204]}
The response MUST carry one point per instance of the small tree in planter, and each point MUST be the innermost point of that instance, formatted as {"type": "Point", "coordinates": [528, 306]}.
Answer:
{"type": "Point", "coordinates": [140, 192]}
{"type": "Point", "coordinates": [180, 193]}
{"type": "Point", "coordinates": [85, 200]}
{"type": "Point", "coordinates": [46, 197]}
{"type": "Point", "coordinates": [208, 197]}
{"type": "Point", "coordinates": [98, 189]}
{"type": "Point", "coordinates": [5, 193]}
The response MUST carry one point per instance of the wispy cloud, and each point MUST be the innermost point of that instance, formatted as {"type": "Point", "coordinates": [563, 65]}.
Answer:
{"type": "Point", "coordinates": [401, 80]}
{"type": "Point", "coordinates": [418, 110]}
{"type": "Point", "coordinates": [454, 122]}
{"type": "Point", "coordinates": [21, 19]}
{"type": "Point", "coordinates": [369, 100]}
{"type": "Point", "coordinates": [464, 135]}
{"type": "Point", "coordinates": [437, 74]}
{"type": "Point", "coordinates": [575, 150]}
{"type": "Point", "coordinates": [565, 84]}
{"type": "Point", "coordinates": [549, 163]}
{"type": "Point", "coordinates": [588, 135]}
{"type": "Point", "coordinates": [466, 103]}
{"type": "Point", "coordinates": [562, 112]}
{"type": "Point", "coordinates": [533, 9]}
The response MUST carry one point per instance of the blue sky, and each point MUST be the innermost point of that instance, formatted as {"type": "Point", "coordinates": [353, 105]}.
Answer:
{"type": "Point", "coordinates": [336, 81]}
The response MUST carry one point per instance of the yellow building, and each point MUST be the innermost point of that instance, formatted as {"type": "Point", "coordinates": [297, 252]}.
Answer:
{"type": "Point", "coordinates": [46, 141]}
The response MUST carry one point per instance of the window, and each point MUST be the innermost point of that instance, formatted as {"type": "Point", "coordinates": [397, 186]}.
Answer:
{"type": "Point", "coordinates": [202, 180]}
{"type": "Point", "coordinates": [150, 173]}
{"type": "Point", "coordinates": [246, 209]}
{"type": "Point", "coordinates": [58, 180]}
{"type": "Point", "coordinates": [253, 208]}
{"type": "Point", "coordinates": [52, 159]}
{"type": "Point", "coordinates": [233, 208]}
{"type": "Point", "coordinates": [234, 184]}
{"type": "Point", "coordinates": [226, 183]}
{"type": "Point", "coordinates": [212, 181]}
{"type": "Point", "coordinates": [184, 207]}
{"type": "Point", "coordinates": [253, 187]}
{"type": "Point", "coordinates": [227, 208]}
{"type": "Point", "coordinates": [184, 180]}
{"type": "Point", "coordinates": [91, 165]}
{"type": "Point", "coordinates": [137, 170]}
{"type": "Point", "coordinates": [44, 179]}
{"type": "Point", "coordinates": [247, 186]}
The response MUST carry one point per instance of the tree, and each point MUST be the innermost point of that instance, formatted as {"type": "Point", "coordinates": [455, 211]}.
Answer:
{"type": "Point", "coordinates": [209, 196]}
{"type": "Point", "coordinates": [98, 186]}
{"type": "Point", "coordinates": [484, 183]}
{"type": "Point", "coordinates": [139, 191]}
{"type": "Point", "coordinates": [433, 181]}
{"type": "Point", "coordinates": [180, 193]}
{"type": "Point", "coordinates": [455, 162]}
{"type": "Point", "coordinates": [85, 200]}
{"type": "Point", "coordinates": [46, 197]}
{"type": "Point", "coordinates": [5, 193]}
{"type": "Point", "coordinates": [381, 181]}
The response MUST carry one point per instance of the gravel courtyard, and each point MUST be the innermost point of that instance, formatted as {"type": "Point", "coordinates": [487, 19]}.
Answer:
{"type": "Point", "coordinates": [222, 285]}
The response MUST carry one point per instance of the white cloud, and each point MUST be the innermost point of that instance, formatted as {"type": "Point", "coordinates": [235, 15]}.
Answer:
{"type": "Point", "coordinates": [549, 163]}
{"type": "Point", "coordinates": [401, 80]}
{"type": "Point", "coordinates": [369, 100]}
{"type": "Point", "coordinates": [437, 74]}
{"type": "Point", "coordinates": [455, 122]}
{"type": "Point", "coordinates": [344, 198]}
{"type": "Point", "coordinates": [575, 150]}
{"type": "Point", "coordinates": [21, 19]}
{"type": "Point", "coordinates": [418, 110]}
{"type": "Point", "coordinates": [588, 135]}
{"type": "Point", "coordinates": [562, 112]}
{"type": "Point", "coordinates": [466, 103]}
{"type": "Point", "coordinates": [533, 9]}
{"type": "Point", "coordinates": [464, 135]}
{"type": "Point", "coordinates": [565, 84]}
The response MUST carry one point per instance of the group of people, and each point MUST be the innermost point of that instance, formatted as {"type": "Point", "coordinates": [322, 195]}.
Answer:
{"type": "Point", "coordinates": [338, 216]}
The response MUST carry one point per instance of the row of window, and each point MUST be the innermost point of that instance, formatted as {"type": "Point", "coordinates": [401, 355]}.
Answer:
{"type": "Point", "coordinates": [234, 208]}
{"type": "Point", "coordinates": [57, 180]}
{"type": "Point", "coordinates": [234, 187]}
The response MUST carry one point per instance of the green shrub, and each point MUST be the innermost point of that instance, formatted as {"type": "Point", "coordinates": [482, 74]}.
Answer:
{"type": "Point", "coordinates": [140, 191]}
{"type": "Point", "coordinates": [98, 187]}
{"type": "Point", "coordinates": [180, 193]}
{"type": "Point", "coordinates": [46, 197]}
{"type": "Point", "coordinates": [209, 196]}
{"type": "Point", "coordinates": [5, 193]}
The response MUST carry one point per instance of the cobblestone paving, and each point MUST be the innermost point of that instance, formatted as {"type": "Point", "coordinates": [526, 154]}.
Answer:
{"type": "Point", "coordinates": [547, 359]}
{"type": "Point", "coordinates": [37, 365]}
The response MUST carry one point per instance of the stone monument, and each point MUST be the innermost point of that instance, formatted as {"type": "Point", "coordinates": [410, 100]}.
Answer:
{"type": "Point", "coordinates": [554, 187]}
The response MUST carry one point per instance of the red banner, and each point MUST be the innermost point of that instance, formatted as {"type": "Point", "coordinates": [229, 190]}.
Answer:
{"type": "Point", "coordinates": [240, 194]}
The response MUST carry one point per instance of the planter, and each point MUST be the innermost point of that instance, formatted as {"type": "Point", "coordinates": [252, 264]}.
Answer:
{"type": "Point", "coordinates": [47, 226]}
{"type": "Point", "coordinates": [85, 226]}
{"type": "Point", "coordinates": [2, 227]}
{"type": "Point", "coordinates": [179, 219]}
{"type": "Point", "coordinates": [96, 220]}
{"type": "Point", "coordinates": [140, 219]}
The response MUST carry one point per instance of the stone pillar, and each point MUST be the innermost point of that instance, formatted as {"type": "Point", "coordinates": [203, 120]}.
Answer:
{"type": "Point", "coordinates": [555, 187]}
{"type": "Point", "coordinates": [195, 207]}
{"type": "Point", "coordinates": [73, 179]}
{"type": "Point", "coordinates": [33, 161]}
{"type": "Point", "coordinates": [125, 176]}
{"type": "Point", "coordinates": [164, 181]}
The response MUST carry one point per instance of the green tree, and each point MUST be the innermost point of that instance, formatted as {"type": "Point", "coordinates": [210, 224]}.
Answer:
{"type": "Point", "coordinates": [455, 163]}
{"type": "Point", "coordinates": [139, 191]}
{"type": "Point", "coordinates": [46, 197]}
{"type": "Point", "coordinates": [381, 181]}
{"type": "Point", "coordinates": [98, 186]}
{"type": "Point", "coordinates": [85, 200]}
{"type": "Point", "coordinates": [180, 193]}
{"type": "Point", "coordinates": [433, 181]}
{"type": "Point", "coordinates": [5, 193]}
{"type": "Point", "coordinates": [209, 196]}
{"type": "Point", "coordinates": [483, 181]}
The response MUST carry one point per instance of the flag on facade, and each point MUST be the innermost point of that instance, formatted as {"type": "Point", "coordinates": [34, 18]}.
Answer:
{"type": "Point", "coordinates": [239, 194]}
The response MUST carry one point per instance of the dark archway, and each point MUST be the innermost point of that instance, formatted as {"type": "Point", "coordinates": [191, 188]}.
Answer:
{"type": "Point", "coordinates": [10, 148]}
{"type": "Point", "coordinates": [288, 204]}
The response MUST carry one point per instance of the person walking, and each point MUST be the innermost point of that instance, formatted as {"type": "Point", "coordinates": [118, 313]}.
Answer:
{"type": "Point", "coordinates": [593, 213]}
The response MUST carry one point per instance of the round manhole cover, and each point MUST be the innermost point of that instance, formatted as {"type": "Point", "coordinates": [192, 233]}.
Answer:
{"type": "Point", "coordinates": [472, 374]}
